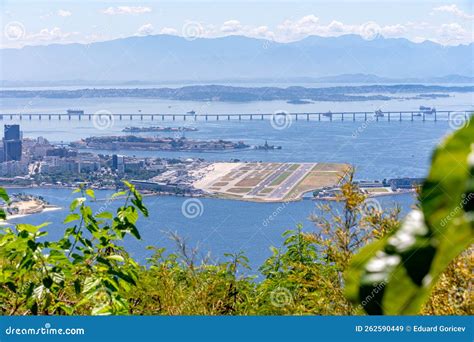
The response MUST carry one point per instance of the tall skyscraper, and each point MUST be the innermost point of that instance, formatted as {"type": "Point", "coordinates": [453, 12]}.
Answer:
{"type": "Point", "coordinates": [12, 143]}
{"type": "Point", "coordinates": [118, 163]}
{"type": "Point", "coordinates": [12, 132]}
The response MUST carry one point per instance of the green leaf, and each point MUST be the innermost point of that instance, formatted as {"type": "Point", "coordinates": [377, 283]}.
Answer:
{"type": "Point", "coordinates": [129, 279]}
{"type": "Point", "coordinates": [77, 286]}
{"type": "Point", "coordinates": [395, 275]}
{"type": "Point", "coordinates": [76, 203]}
{"type": "Point", "coordinates": [105, 215]}
{"type": "Point", "coordinates": [116, 257]}
{"type": "Point", "coordinates": [4, 195]}
{"type": "Point", "coordinates": [57, 257]}
{"type": "Point", "coordinates": [90, 284]}
{"type": "Point", "coordinates": [47, 282]}
{"type": "Point", "coordinates": [27, 227]}
{"type": "Point", "coordinates": [90, 193]}
{"type": "Point", "coordinates": [72, 217]}
{"type": "Point", "coordinates": [118, 194]}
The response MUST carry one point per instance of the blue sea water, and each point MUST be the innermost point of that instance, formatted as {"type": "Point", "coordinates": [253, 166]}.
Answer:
{"type": "Point", "coordinates": [378, 150]}
{"type": "Point", "coordinates": [222, 226]}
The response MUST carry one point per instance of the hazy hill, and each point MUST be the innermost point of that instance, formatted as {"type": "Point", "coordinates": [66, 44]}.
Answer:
{"type": "Point", "coordinates": [171, 58]}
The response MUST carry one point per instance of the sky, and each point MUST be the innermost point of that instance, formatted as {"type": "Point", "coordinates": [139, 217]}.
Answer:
{"type": "Point", "coordinates": [46, 22]}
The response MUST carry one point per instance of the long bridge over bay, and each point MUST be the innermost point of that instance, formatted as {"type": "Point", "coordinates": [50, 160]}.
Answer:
{"type": "Point", "coordinates": [440, 115]}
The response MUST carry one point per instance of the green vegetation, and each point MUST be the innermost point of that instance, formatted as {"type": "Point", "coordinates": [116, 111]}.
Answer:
{"type": "Point", "coordinates": [400, 270]}
{"type": "Point", "coordinates": [294, 167]}
{"type": "Point", "coordinates": [357, 259]}
{"type": "Point", "coordinates": [280, 178]}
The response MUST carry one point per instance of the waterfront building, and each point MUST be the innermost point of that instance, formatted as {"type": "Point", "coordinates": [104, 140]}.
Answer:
{"type": "Point", "coordinates": [118, 163]}
{"type": "Point", "coordinates": [12, 132]}
{"type": "Point", "coordinates": [12, 148]}
{"type": "Point", "coordinates": [405, 183]}
{"type": "Point", "coordinates": [13, 168]}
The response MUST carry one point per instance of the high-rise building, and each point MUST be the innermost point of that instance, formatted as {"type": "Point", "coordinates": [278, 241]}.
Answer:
{"type": "Point", "coordinates": [12, 132]}
{"type": "Point", "coordinates": [118, 163]}
{"type": "Point", "coordinates": [12, 143]}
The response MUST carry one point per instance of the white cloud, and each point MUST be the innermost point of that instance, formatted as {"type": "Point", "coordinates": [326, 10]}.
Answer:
{"type": "Point", "coordinates": [145, 30]}
{"type": "Point", "coordinates": [262, 32]}
{"type": "Point", "coordinates": [336, 27]}
{"type": "Point", "coordinates": [50, 35]}
{"type": "Point", "coordinates": [453, 9]}
{"type": "Point", "coordinates": [231, 26]}
{"type": "Point", "coordinates": [64, 13]}
{"type": "Point", "coordinates": [393, 30]}
{"type": "Point", "coordinates": [126, 10]}
{"type": "Point", "coordinates": [453, 33]}
{"type": "Point", "coordinates": [297, 29]}
{"type": "Point", "coordinates": [169, 30]}
{"type": "Point", "coordinates": [419, 39]}
{"type": "Point", "coordinates": [309, 25]}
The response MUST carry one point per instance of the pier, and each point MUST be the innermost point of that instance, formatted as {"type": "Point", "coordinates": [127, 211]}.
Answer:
{"type": "Point", "coordinates": [387, 116]}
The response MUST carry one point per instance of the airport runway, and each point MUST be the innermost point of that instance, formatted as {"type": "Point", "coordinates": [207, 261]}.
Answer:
{"type": "Point", "coordinates": [267, 181]}
{"type": "Point", "coordinates": [289, 183]}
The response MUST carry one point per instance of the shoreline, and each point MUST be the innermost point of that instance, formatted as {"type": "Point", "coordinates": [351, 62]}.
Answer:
{"type": "Point", "coordinates": [47, 208]}
{"type": "Point", "coordinates": [210, 196]}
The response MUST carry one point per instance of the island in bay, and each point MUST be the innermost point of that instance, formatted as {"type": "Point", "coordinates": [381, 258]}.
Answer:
{"type": "Point", "coordinates": [130, 142]}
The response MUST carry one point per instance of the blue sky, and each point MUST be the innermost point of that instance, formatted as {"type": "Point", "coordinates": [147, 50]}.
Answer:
{"type": "Point", "coordinates": [45, 22]}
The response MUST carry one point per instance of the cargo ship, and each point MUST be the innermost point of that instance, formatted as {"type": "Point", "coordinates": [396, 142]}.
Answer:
{"type": "Point", "coordinates": [158, 129]}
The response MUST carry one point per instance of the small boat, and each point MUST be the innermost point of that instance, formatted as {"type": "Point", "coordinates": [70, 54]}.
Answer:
{"type": "Point", "coordinates": [328, 114]}
{"type": "Point", "coordinates": [427, 110]}
{"type": "Point", "coordinates": [191, 112]}
{"type": "Point", "coordinates": [75, 112]}
{"type": "Point", "coordinates": [379, 113]}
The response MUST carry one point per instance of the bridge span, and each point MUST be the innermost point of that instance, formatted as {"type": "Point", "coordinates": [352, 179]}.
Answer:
{"type": "Point", "coordinates": [389, 116]}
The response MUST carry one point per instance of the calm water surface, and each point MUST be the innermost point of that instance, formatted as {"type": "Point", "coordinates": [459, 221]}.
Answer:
{"type": "Point", "coordinates": [377, 149]}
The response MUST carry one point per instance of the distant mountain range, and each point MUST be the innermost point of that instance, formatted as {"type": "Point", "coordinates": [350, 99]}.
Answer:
{"type": "Point", "coordinates": [164, 58]}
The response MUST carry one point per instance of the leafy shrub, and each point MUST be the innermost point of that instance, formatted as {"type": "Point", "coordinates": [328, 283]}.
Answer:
{"type": "Point", "coordinates": [396, 274]}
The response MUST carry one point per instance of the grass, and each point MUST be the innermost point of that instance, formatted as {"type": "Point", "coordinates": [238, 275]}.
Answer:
{"type": "Point", "coordinates": [293, 167]}
{"type": "Point", "coordinates": [239, 190]}
{"type": "Point", "coordinates": [280, 178]}
{"type": "Point", "coordinates": [315, 180]}
{"type": "Point", "coordinates": [266, 190]}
